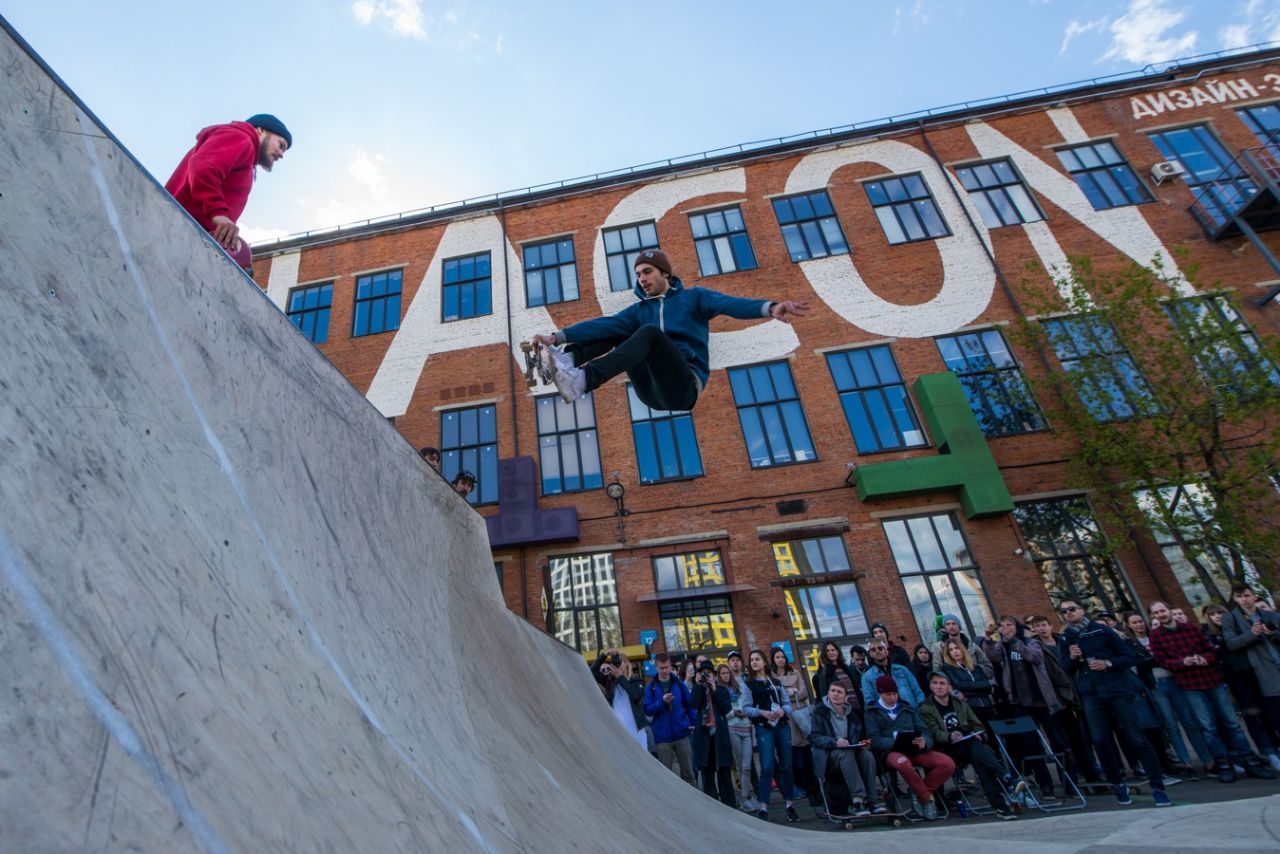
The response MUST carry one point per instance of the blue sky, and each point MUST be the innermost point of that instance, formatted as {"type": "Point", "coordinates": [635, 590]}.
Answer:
{"type": "Point", "coordinates": [401, 104]}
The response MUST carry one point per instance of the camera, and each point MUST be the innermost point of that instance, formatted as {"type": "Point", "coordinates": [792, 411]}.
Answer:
{"type": "Point", "coordinates": [616, 660]}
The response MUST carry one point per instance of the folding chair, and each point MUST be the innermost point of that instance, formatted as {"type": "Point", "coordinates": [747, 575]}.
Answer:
{"type": "Point", "coordinates": [1024, 726]}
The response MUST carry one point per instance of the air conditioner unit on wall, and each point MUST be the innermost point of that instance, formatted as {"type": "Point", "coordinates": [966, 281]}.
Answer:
{"type": "Point", "coordinates": [1165, 170]}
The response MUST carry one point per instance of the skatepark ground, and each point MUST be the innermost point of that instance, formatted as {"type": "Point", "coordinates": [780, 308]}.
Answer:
{"type": "Point", "coordinates": [238, 612]}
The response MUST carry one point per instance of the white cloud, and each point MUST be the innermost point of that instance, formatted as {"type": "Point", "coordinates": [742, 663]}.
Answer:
{"type": "Point", "coordinates": [334, 212]}
{"type": "Point", "coordinates": [1259, 24]}
{"type": "Point", "coordinates": [1079, 28]}
{"type": "Point", "coordinates": [369, 170]}
{"type": "Point", "coordinates": [253, 234]}
{"type": "Point", "coordinates": [402, 17]}
{"type": "Point", "coordinates": [1142, 34]}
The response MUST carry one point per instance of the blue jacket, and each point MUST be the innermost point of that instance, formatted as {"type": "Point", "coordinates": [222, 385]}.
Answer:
{"type": "Point", "coordinates": [908, 688]}
{"type": "Point", "coordinates": [670, 723]}
{"type": "Point", "coordinates": [682, 313]}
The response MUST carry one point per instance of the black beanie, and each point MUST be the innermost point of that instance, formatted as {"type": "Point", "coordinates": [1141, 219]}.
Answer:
{"type": "Point", "coordinates": [270, 123]}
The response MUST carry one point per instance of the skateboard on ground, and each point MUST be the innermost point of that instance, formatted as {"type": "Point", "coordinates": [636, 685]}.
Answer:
{"type": "Point", "coordinates": [852, 822]}
{"type": "Point", "coordinates": [535, 371]}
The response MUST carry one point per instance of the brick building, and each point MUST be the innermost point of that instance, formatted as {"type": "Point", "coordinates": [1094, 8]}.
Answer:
{"type": "Point", "coordinates": [741, 528]}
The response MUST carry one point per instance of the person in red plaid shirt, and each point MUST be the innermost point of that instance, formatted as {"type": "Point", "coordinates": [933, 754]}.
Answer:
{"type": "Point", "coordinates": [1183, 650]}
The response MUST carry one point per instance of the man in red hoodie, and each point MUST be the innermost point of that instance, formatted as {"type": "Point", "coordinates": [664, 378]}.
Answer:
{"type": "Point", "coordinates": [214, 178]}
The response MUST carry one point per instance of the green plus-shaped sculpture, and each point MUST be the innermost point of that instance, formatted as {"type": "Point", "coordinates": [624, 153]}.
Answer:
{"type": "Point", "coordinates": [964, 462]}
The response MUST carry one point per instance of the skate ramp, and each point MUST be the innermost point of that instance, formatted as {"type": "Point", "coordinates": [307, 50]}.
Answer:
{"type": "Point", "coordinates": [237, 612]}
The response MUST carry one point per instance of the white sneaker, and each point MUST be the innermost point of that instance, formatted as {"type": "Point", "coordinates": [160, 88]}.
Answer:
{"type": "Point", "coordinates": [1274, 761]}
{"type": "Point", "coordinates": [571, 382]}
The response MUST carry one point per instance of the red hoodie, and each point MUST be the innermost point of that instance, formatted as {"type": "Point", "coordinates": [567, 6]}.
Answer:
{"type": "Point", "coordinates": [215, 177]}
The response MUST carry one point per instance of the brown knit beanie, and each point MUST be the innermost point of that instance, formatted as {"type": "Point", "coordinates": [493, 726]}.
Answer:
{"type": "Point", "coordinates": [656, 257]}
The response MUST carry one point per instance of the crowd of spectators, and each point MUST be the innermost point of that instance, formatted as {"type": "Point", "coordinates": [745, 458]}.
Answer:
{"type": "Point", "coordinates": [1152, 696]}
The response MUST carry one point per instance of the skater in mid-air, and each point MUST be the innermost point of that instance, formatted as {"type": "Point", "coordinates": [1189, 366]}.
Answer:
{"type": "Point", "coordinates": [660, 342]}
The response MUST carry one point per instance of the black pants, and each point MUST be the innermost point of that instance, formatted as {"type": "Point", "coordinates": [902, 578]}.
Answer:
{"type": "Point", "coordinates": [717, 780]}
{"type": "Point", "coordinates": [1114, 714]}
{"type": "Point", "coordinates": [985, 764]}
{"type": "Point", "coordinates": [657, 369]}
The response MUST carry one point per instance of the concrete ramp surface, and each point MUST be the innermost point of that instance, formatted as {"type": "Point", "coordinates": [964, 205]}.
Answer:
{"type": "Point", "coordinates": [237, 613]}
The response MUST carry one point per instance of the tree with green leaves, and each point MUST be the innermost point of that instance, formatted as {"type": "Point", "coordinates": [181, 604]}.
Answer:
{"type": "Point", "coordinates": [1171, 404]}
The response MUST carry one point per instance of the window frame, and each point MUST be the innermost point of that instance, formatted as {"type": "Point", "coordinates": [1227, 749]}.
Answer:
{"type": "Point", "coordinates": [950, 571]}
{"type": "Point", "coordinates": [1265, 138]}
{"type": "Point", "coordinates": [999, 377]}
{"type": "Point", "coordinates": [628, 256]}
{"type": "Point", "coordinates": [540, 245]}
{"type": "Point", "coordinates": [1093, 562]}
{"type": "Point", "coordinates": [1237, 331]}
{"type": "Point", "coordinates": [818, 219]}
{"type": "Point", "coordinates": [453, 458]}
{"type": "Point", "coordinates": [846, 394]}
{"type": "Point", "coordinates": [711, 237]}
{"type": "Point", "coordinates": [1122, 165]}
{"type": "Point", "coordinates": [653, 419]}
{"type": "Point", "coordinates": [982, 194]}
{"type": "Point", "coordinates": [1131, 392]}
{"type": "Point", "coordinates": [297, 316]}
{"type": "Point", "coordinates": [559, 408]}
{"type": "Point", "coordinates": [909, 203]}
{"type": "Point", "coordinates": [596, 607]}
{"type": "Point", "coordinates": [383, 298]}
{"type": "Point", "coordinates": [682, 610]}
{"type": "Point", "coordinates": [777, 403]}
{"type": "Point", "coordinates": [460, 283]}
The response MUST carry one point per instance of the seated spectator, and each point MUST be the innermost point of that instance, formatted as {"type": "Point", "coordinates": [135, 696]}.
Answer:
{"type": "Point", "coordinates": [669, 705]}
{"type": "Point", "coordinates": [712, 750]}
{"type": "Point", "coordinates": [623, 692]}
{"type": "Point", "coordinates": [957, 732]}
{"type": "Point", "coordinates": [838, 745]}
{"type": "Point", "coordinates": [769, 710]}
{"type": "Point", "coordinates": [881, 666]}
{"type": "Point", "coordinates": [886, 719]}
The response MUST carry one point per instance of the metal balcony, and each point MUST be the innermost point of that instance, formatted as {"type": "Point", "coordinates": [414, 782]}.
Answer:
{"type": "Point", "coordinates": [1246, 194]}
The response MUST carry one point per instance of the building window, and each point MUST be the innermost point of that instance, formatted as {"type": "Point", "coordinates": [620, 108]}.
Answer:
{"type": "Point", "coordinates": [993, 382]}
{"type": "Point", "coordinates": [1225, 349]}
{"type": "Point", "coordinates": [309, 310]}
{"type": "Point", "coordinates": [906, 209]}
{"type": "Point", "coordinates": [1200, 561]}
{"type": "Point", "coordinates": [377, 304]}
{"type": "Point", "coordinates": [469, 441]}
{"type": "Point", "coordinates": [1219, 183]}
{"type": "Point", "coordinates": [722, 243]}
{"type": "Point", "coordinates": [567, 445]}
{"type": "Point", "coordinates": [621, 248]}
{"type": "Point", "coordinates": [666, 444]}
{"type": "Point", "coordinates": [467, 287]}
{"type": "Point", "coordinates": [550, 272]}
{"type": "Point", "coordinates": [938, 572]}
{"type": "Point", "coordinates": [1106, 377]}
{"type": "Point", "coordinates": [1069, 550]}
{"type": "Point", "coordinates": [818, 611]}
{"type": "Point", "coordinates": [584, 602]}
{"type": "Point", "coordinates": [699, 626]}
{"type": "Point", "coordinates": [773, 424]}
{"type": "Point", "coordinates": [809, 226]}
{"type": "Point", "coordinates": [1264, 121]}
{"type": "Point", "coordinates": [1104, 176]}
{"type": "Point", "coordinates": [999, 194]}
{"type": "Point", "coordinates": [690, 570]}
{"type": "Point", "coordinates": [875, 400]}
{"type": "Point", "coordinates": [497, 568]}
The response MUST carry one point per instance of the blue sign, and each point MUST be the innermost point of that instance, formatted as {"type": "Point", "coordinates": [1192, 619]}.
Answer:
{"type": "Point", "coordinates": [785, 646]}
{"type": "Point", "coordinates": [648, 637]}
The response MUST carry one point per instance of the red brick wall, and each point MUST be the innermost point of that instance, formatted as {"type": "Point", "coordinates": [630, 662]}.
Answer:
{"type": "Point", "coordinates": [731, 496]}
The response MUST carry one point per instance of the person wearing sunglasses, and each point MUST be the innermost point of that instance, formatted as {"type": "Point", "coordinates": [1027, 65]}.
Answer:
{"type": "Point", "coordinates": [1101, 664]}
